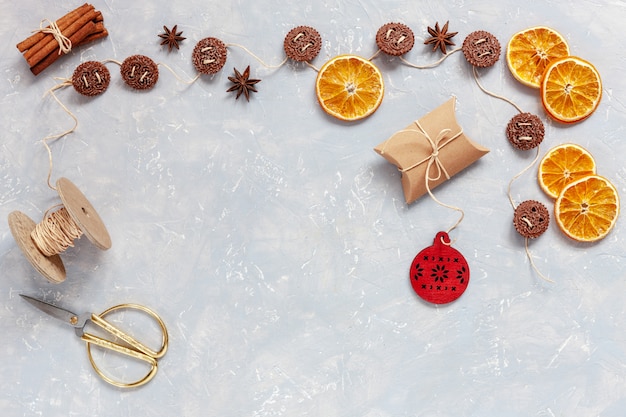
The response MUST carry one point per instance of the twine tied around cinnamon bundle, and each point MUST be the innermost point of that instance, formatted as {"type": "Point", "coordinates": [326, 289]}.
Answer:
{"type": "Point", "coordinates": [45, 45]}
{"type": "Point", "coordinates": [65, 44]}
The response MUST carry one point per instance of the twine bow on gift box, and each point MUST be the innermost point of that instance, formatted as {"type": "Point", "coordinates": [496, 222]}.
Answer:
{"type": "Point", "coordinates": [414, 151]}
{"type": "Point", "coordinates": [433, 159]}
{"type": "Point", "coordinates": [434, 156]}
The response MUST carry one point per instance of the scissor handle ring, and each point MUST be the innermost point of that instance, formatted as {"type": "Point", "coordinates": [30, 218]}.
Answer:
{"type": "Point", "coordinates": [151, 356]}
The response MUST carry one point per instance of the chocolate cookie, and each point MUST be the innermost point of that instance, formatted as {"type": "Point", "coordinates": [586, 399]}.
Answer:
{"type": "Point", "coordinates": [395, 39]}
{"type": "Point", "coordinates": [91, 78]}
{"type": "Point", "coordinates": [525, 131]}
{"type": "Point", "coordinates": [209, 55]}
{"type": "Point", "coordinates": [139, 72]}
{"type": "Point", "coordinates": [481, 49]}
{"type": "Point", "coordinates": [302, 43]}
{"type": "Point", "coordinates": [531, 219]}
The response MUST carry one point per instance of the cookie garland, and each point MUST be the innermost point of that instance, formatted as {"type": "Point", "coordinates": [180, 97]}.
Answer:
{"type": "Point", "coordinates": [78, 27]}
{"type": "Point", "coordinates": [140, 72]}
{"type": "Point", "coordinates": [525, 131]}
{"type": "Point", "coordinates": [301, 44]}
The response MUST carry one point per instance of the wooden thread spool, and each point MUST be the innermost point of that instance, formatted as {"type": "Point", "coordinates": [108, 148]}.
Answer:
{"type": "Point", "coordinates": [77, 217]}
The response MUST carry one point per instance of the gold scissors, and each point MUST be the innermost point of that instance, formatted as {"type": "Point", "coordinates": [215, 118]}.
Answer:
{"type": "Point", "coordinates": [133, 348]}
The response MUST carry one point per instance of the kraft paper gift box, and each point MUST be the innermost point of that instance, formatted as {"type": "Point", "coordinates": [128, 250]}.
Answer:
{"type": "Point", "coordinates": [430, 151]}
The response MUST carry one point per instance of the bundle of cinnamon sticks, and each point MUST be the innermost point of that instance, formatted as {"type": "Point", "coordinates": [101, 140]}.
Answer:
{"type": "Point", "coordinates": [82, 25]}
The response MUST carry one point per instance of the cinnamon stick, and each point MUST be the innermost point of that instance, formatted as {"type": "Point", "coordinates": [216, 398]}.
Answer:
{"type": "Point", "coordinates": [75, 38]}
{"type": "Point", "coordinates": [99, 33]}
{"type": "Point", "coordinates": [48, 41]}
{"type": "Point", "coordinates": [52, 44]}
{"type": "Point", "coordinates": [81, 25]}
{"type": "Point", "coordinates": [62, 23]}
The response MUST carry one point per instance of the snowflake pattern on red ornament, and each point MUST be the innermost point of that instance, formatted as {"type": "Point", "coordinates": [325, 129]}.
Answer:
{"type": "Point", "coordinates": [439, 273]}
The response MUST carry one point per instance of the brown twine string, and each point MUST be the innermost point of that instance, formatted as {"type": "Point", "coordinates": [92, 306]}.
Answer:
{"type": "Point", "coordinates": [56, 232]}
{"type": "Point", "coordinates": [193, 80]}
{"type": "Point", "coordinates": [257, 58]}
{"type": "Point", "coordinates": [65, 44]}
{"type": "Point", "coordinates": [45, 140]}
{"type": "Point", "coordinates": [375, 54]}
{"type": "Point", "coordinates": [532, 262]}
{"type": "Point", "coordinates": [266, 65]}
{"type": "Point", "coordinates": [534, 161]}
{"type": "Point", "coordinates": [431, 65]}
{"type": "Point", "coordinates": [312, 66]}
{"type": "Point", "coordinates": [519, 174]}
{"type": "Point", "coordinates": [492, 94]}
{"type": "Point", "coordinates": [433, 159]}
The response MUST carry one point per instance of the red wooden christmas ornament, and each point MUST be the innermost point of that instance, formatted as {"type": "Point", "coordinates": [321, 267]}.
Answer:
{"type": "Point", "coordinates": [439, 273]}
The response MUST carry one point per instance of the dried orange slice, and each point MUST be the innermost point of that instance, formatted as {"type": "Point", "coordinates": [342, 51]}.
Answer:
{"type": "Point", "coordinates": [349, 87]}
{"type": "Point", "coordinates": [571, 89]}
{"type": "Point", "coordinates": [530, 51]}
{"type": "Point", "coordinates": [562, 165]}
{"type": "Point", "coordinates": [587, 209]}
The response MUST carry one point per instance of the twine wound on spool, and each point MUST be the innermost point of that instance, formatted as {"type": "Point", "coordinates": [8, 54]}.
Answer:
{"type": "Point", "coordinates": [42, 243]}
{"type": "Point", "coordinates": [56, 233]}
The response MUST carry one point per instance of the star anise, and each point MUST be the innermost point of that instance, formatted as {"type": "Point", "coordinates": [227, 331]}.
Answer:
{"type": "Point", "coordinates": [243, 84]}
{"type": "Point", "coordinates": [440, 38]}
{"type": "Point", "coordinates": [171, 37]}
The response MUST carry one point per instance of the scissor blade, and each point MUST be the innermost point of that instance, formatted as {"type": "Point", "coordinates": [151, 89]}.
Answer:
{"type": "Point", "coordinates": [59, 313]}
